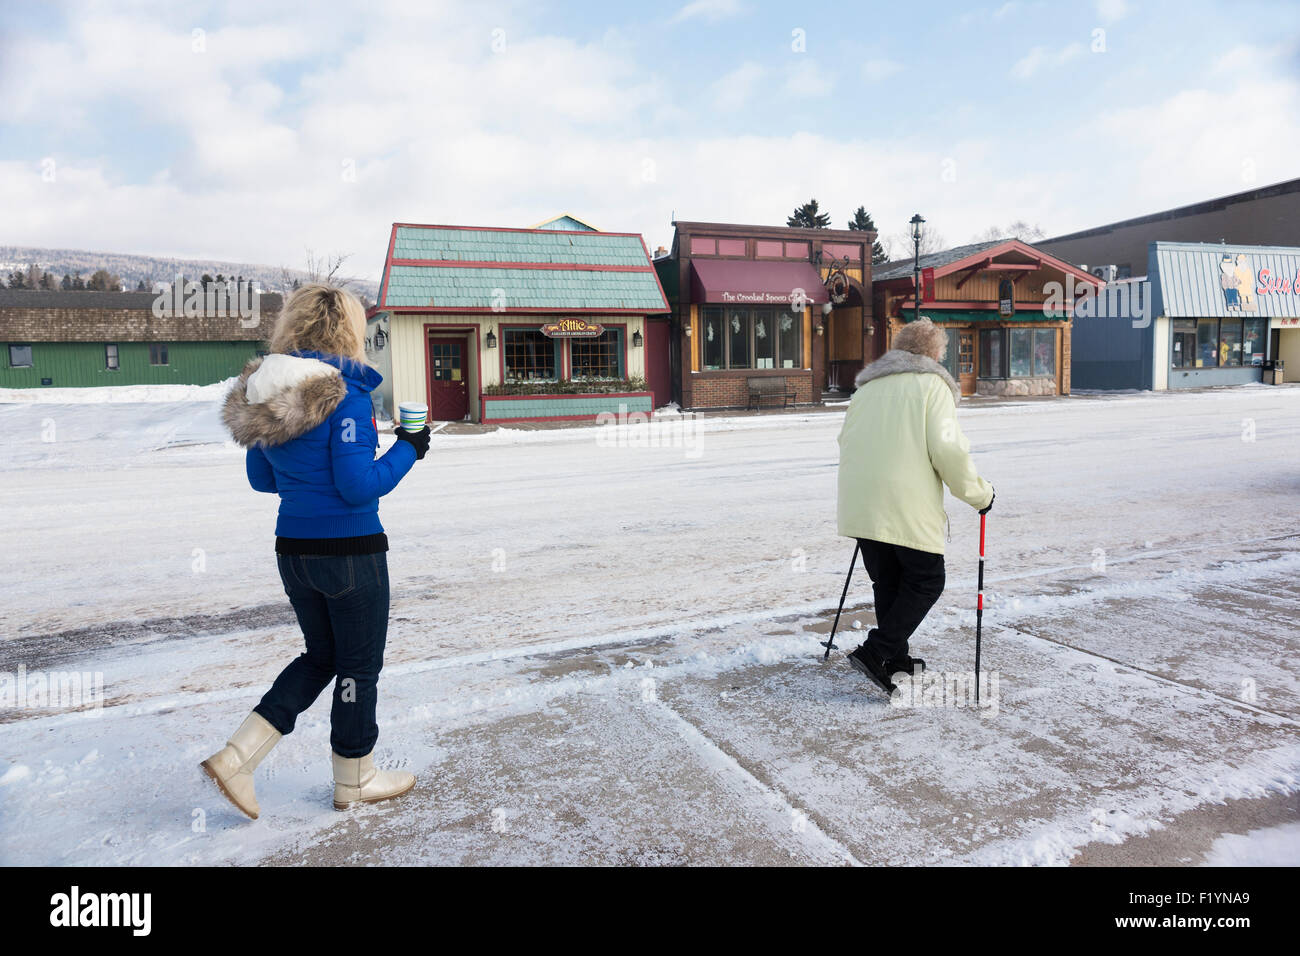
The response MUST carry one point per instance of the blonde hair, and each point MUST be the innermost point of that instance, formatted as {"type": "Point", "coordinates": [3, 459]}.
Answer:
{"type": "Point", "coordinates": [922, 337]}
{"type": "Point", "coordinates": [321, 318]}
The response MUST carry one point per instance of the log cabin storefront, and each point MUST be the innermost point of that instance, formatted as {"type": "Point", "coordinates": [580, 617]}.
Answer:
{"type": "Point", "coordinates": [766, 315]}
{"type": "Point", "coordinates": [501, 325]}
{"type": "Point", "coordinates": [1007, 333]}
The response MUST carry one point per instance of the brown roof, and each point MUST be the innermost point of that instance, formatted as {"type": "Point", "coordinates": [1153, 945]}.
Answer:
{"type": "Point", "coordinates": [35, 315]}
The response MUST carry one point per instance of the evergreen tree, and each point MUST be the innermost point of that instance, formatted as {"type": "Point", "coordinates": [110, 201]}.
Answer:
{"type": "Point", "coordinates": [66, 284]}
{"type": "Point", "coordinates": [18, 279]}
{"type": "Point", "coordinates": [808, 217]}
{"type": "Point", "coordinates": [78, 283]}
{"type": "Point", "coordinates": [862, 222]}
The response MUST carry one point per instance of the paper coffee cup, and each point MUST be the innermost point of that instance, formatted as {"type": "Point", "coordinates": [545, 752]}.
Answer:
{"type": "Point", "coordinates": [412, 416]}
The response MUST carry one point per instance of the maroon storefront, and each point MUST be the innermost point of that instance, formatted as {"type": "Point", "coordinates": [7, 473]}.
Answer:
{"type": "Point", "coordinates": [766, 314]}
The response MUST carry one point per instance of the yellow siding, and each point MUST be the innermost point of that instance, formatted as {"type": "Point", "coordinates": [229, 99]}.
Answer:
{"type": "Point", "coordinates": [410, 355]}
{"type": "Point", "coordinates": [695, 338]}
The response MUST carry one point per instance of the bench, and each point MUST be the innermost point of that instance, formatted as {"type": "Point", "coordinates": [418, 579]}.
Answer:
{"type": "Point", "coordinates": [770, 386]}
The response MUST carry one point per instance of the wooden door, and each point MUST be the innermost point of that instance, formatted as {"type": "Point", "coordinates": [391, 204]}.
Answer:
{"type": "Point", "coordinates": [448, 387]}
{"type": "Point", "coordinates": [966, 362]}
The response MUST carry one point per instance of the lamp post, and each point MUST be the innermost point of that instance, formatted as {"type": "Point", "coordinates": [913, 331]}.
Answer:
{"type": "Point", "coordinates": [917, 223]}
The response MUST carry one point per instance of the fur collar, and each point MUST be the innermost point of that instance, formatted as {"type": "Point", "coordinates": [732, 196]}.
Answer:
{"type": "Point", "coordinates": [279, 397]}
{"type": "Point", "coordinates": [896, 361]}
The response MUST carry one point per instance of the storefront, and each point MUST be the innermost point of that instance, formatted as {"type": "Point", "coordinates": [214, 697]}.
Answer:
{"type": "Point", "coordinates": [766, 315]}
{"type": "Point", "coordinates": [502, 325]}
{"type": "Point", "coordinates": [1224, 313]}
{"type": "Point", "coordinates": [1218, 315]}
{"type": "Point", "coordinates": [1003, 304]}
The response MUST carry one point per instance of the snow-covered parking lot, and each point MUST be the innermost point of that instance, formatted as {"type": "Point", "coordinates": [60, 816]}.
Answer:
{"type": "Point", "coordinates": [603, 652]}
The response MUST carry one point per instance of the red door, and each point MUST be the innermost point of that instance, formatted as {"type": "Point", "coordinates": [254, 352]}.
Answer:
{"type": "Point", "coordinates": [448, 388]}
{"type": "Point", "coordinates": [658, 368]}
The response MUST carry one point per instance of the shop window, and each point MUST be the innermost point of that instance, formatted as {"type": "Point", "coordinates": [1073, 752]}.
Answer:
{"type": "Point", "coordinates": [993, 353]}
{"type": "Point", "coordinates": [529, 355]}
{"type": "Point", "coordinates": [767, 249]}
{"type": "Point", "coordinates": [1045, 353]}
{"type": "Point", "coordinates": [1033, 353]}
{"type": "Point", "coordinates": [790, 332]}
{"type": "Point", "coordinates": [796, 250]}
{"type": "Point", "coordinates": [158, 353]}
{"type": "Point", "coordinates": [1022, 352]}
{"type": "Point", "coordinates": [740, 326]}
{"type": "Point", "coordinates": [110, 358]}
{"type": "Point", "coordinates": [1230, 342]}
{"type": "Point", "coordinates": [1184, 343]}
{"type": "Point", "coordinates": [750, 338]}
{"type": "Point", "coordinates": [701, 246]}
{"type": "Point", "coordinates": [597, 357]}
{"type": "Point", "coordinates": [731, 247]}
{"type": "Point", "coordinates": [712, 348]}
{"type": "Point", "coordinates": [951, 360]}
{"type": "Point", "coordinates": [1253, 339]}
{"type": "Point", "coordinates": [765, 340]}
{"type": "Point", "coordinates": [1207, 343]}
{"type": "Point", "coordinates": [20, 356]}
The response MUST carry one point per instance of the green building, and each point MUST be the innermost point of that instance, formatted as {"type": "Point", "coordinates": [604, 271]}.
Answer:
{"type": "Point", "coordinates": [81, 339]}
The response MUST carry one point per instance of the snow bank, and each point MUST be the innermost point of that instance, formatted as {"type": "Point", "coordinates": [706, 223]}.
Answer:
{"type": "Point", "coordinates": [110, 394]}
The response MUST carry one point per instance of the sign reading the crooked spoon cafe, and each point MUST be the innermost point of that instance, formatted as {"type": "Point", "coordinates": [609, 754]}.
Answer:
{"type": "Point", "coordinates": [572, 329]}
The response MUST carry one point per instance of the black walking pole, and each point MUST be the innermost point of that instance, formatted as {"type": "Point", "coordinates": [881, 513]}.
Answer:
{"type": "Point", "coordinates": [829, 644]}
{"type": "Point", "coordinates": [979, 610]}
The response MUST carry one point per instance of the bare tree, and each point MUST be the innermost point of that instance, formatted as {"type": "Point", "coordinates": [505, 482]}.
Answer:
{"type": "Point", "coordinates": [327, 269]}
{"type": "Point", "coordinates": [1019, 229]}
{"type": "Point", "coordinates": [899, 245]}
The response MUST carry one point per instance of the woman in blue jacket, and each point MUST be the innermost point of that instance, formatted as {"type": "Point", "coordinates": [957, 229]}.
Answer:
{"type": "Point", "coordinates": [304, 414]}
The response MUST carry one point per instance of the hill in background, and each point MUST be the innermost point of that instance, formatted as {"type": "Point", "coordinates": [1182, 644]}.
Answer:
{"type": "Point", "coordinates": [134, 268]}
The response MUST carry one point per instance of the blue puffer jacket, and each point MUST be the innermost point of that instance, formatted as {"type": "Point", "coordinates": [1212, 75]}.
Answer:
{"type": "Point", "coordinates": [306, 421]}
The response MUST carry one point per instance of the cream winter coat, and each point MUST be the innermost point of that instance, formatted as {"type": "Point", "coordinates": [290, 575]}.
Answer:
{"type": "Point", "coordinates": [899, 446]}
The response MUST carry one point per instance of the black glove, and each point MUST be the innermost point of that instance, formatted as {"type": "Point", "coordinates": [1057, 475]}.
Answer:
{"type": "Point", "coordinates": [985, 510]}
{"type": "Point", "coordinates": [418, 440]}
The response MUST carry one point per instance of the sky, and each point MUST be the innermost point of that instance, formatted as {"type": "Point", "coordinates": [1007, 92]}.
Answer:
{"type": "Point", "coordinates": [256, 130]}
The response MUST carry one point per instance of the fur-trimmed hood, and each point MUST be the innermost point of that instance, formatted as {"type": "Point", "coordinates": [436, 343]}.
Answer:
{"type": "Point", "coordinates": [897, 361]}
{"type": "Point", "coordinates": [279, 397]}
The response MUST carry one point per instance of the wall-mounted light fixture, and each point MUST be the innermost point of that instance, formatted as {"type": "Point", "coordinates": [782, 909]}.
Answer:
{"type": "Point", "coordinates": [636, 339]}
{"type": "Point", "coordinates": [491, 339]}
{"type": "Point", "coordinates": [686, 327]}
{"type": "Point", "coordinates": [821, 329]}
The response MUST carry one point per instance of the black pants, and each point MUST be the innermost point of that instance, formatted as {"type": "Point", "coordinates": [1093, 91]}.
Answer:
{"type": "Point", "coordinates": [906, 582]}
{"type": "Point", "coordinates": [342, 606]}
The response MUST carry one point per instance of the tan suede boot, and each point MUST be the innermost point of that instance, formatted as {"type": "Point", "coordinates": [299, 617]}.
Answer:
{"type": "Point", "coordinates": [231, 768]}
{"type": "Point", "coordinates": [356, 780]}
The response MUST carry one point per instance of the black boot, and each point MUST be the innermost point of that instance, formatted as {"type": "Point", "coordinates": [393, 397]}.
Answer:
{"type": "Point", "coordinates": [865, 660]}
{"type": "Point", "coordinates": [907, 665]}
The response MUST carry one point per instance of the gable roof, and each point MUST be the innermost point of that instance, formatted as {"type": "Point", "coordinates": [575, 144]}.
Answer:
{"type": "Point", "coordinates": [963, 257]}
{"type": "Point", "coordinates": [566, 222]}
{"type": "Point", "coordinates": [480, 269]}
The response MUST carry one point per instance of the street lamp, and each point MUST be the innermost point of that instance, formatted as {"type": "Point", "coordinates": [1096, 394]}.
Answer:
{"type": "Point", "coordinates": [917, 223]}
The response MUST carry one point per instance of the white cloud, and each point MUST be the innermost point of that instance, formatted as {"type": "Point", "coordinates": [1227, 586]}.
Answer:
{"type": "Point", "coordinates": [1112, 10]}
{"type": "Point", "coordinates": [806, 78]}
{"type": "Point", "coordinates": [734, 90]}
{"type": "Point", "coordinates": [1040, 57]}
{"type": "Point", "coordinates": [711, 10]}
{"type": "Point", "coordinates": [877, 70]}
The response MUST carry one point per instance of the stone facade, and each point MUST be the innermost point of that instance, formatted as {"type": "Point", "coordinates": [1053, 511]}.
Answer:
{"type": "Point", "coordinates": [1016, 386]}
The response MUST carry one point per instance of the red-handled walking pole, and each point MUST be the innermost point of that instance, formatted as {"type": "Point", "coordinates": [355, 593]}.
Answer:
{"type": "Point", "coordinates": [979, 610]}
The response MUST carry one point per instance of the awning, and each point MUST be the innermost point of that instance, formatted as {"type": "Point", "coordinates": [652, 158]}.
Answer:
{"type": "Point", "coordinates": [748, 282]}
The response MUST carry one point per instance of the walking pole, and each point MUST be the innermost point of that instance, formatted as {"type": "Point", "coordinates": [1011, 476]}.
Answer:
{"type": "Point", "coordinates": [830, 644]}
{"type": "Point", "coordinates": [979, 610]}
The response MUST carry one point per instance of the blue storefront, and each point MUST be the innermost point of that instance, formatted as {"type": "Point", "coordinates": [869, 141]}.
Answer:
{"type": "Point", "coordinates": [1205, 314]}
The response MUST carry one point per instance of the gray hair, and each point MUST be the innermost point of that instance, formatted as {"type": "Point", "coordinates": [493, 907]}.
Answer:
{"type": "Point", "coordinates": [922, 337]}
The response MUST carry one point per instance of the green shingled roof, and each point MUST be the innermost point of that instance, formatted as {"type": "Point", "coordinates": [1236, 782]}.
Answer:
{"type": "Point", "coordinates": [475, 284]}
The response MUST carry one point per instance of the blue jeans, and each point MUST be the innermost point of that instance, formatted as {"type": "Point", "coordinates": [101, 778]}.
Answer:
{"type": "Point", "coordinates": [342, 608]}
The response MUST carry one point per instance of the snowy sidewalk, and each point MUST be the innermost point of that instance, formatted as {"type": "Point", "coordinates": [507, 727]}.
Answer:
{"type": "Point", "coordinates": [621, 666]}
